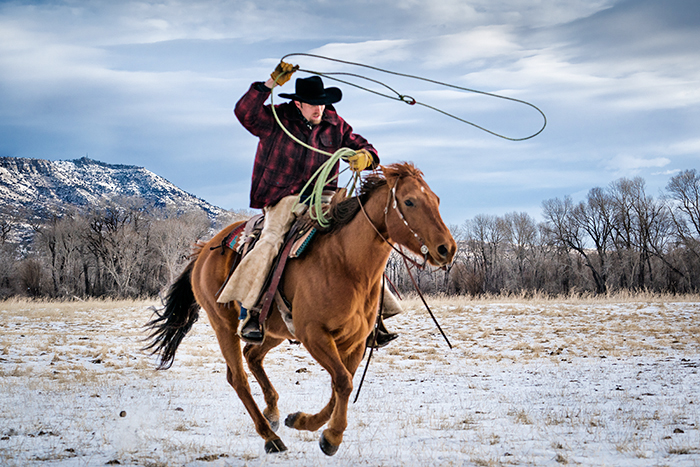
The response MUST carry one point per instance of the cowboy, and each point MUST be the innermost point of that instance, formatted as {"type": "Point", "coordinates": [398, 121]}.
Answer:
{"type": "Point", "coordinates": [280, 171]}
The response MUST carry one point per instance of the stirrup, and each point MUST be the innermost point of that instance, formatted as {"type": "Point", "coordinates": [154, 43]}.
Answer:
{"type": "Point", "coordinates": [383, 339]}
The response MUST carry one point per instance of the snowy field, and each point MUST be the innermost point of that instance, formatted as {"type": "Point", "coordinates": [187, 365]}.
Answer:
{"type": "Point", "coordinates": [542, 383]}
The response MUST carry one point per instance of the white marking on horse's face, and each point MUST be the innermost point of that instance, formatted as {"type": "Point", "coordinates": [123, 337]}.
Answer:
{"type": "Point", "coordinates": [422, 189]}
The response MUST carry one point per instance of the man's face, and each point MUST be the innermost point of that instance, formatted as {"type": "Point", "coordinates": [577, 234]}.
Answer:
{"type": "Point", "coordinates": [313, 113]}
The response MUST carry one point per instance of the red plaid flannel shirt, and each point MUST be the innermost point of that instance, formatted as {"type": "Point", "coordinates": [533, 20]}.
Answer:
{"type": "Point", "coordinates": [282, 167]}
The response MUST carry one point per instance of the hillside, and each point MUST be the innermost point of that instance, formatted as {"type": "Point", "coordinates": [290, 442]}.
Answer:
{"type": "Point", "coordinates": [40, 187]}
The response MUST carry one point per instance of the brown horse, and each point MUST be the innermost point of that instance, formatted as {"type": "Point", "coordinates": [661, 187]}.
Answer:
{"type": "Point", "coordinates": [334, 291]}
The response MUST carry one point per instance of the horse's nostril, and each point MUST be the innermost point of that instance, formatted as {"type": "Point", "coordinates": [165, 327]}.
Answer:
{"type": "Point", "coordinates": [442, 250]}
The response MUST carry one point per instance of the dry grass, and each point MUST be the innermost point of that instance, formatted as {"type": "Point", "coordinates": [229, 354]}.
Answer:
{"type": "Point", "coordinates": [610, 326]}
{"type": "Point", "coordinates": [538, 298]}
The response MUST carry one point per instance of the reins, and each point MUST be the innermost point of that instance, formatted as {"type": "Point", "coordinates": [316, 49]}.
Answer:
{"type": "Point", "coordinates": [420, 294]}
{"type": "Point", "coordinates": [406, 259]}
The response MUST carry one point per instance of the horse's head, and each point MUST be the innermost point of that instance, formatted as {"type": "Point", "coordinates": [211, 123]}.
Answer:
{"type": "Point", "coordinates": [412, 215]}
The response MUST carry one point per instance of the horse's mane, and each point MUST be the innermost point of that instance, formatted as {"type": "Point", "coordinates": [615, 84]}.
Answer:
{"type": "Point", "coordinates": [345, 211]}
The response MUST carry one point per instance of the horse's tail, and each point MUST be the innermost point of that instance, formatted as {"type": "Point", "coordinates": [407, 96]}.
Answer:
{"type": "Point", "coordinates": [174, 320]}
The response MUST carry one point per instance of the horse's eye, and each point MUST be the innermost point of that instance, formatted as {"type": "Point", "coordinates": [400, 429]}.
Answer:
{"type": "Point", "coordinates": [408, 203]}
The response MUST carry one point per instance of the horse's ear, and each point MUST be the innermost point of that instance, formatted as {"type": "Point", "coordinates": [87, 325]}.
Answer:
{"type": "Point", "coordinates": [389, 175]}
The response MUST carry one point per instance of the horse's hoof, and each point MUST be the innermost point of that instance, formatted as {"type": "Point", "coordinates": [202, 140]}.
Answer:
{"type": "Point", "coordinates": [274, 421]}
{"type": "Point", "coordinates": [327, 448]}
{"type": "Point", "coordinates": [291, 419]}
{"type": "Point", "coordinates": [275, 445]}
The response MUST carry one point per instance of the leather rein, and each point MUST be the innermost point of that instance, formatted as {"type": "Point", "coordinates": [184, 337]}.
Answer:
{"type": "Point", "coordinates": [406, 259]}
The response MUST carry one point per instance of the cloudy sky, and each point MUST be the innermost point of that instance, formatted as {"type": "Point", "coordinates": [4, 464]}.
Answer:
{"type": "Point", "coordinates": [153, 84]}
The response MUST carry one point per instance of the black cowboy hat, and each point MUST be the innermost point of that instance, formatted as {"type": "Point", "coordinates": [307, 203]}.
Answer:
{"type": "Point", "coordinates": [311, 91]}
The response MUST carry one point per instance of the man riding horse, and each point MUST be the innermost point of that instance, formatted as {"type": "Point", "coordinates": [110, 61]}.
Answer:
{"type": "Point", "coordinates": [281, 170]}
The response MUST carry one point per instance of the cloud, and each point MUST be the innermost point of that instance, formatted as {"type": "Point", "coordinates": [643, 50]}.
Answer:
{"type": "Point", "coordinates": [668, 173]}
{"type": "Point", "coordinates": [368, 51]}
{"type": "Point", "coordinates": [479, 43]}
{"type": "Point", "coordinates": [458, 14]}
{"type": "Point", "coordinates": [688, 146]}
{"type": "Point", "coordinates": [631, 164]}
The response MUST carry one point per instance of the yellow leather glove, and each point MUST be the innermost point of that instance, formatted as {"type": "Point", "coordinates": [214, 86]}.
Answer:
{"type": "Point", "coordinates": [360, 160]}
{"type": "Point", "coordinates": [283, 72]}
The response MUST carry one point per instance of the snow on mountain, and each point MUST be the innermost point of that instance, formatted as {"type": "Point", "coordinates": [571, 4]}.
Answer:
{"type": "Point", "coordinates": [43, 187]}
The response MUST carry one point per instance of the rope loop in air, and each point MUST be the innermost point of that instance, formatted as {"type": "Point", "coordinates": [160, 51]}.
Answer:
{"type": "Point", "coordinates": [412, 101]}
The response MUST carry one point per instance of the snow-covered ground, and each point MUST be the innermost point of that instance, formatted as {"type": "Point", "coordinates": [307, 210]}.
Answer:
{"type": "Point", "coordinates": [528, 383]}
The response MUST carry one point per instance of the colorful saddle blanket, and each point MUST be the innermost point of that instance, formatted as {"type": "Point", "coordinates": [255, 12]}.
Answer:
{"type": "Point", "coordinates": [243, 238]}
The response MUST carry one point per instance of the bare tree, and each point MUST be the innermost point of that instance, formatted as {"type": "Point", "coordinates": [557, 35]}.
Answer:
{"type": "Point", "coordinates": [684, 191]}
{"type": "Point", "coordinates": [62, 240]}
{"type": "Point", "coordinates": [524, 237]}
{"type": "Point", "coordinates": [6, 226]}
{"type": "Point", "coordinates": [173, 235]}
{"type": "Point", "coordinates": [595, 217]}
{"type": "Point", "coordinates": [487, 235]}
{"type": "Point", "coordinates": [621, 193]}
{"type": "Point", "coordinates": [566, 226]}
{"type": "Point", "coordinates": [119, 238]}
{"type": "Point", "coordinates": [653, 224]}
{"type": "Point", "coordinates": [641, 231]}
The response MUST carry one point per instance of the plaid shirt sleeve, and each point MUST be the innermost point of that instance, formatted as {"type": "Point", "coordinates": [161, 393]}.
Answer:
{"type": "Point", "coordinates": [251, 112]}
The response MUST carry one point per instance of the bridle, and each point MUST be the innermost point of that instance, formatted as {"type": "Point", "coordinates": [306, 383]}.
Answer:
{"type": "Point", "coordinates": [392, 197]}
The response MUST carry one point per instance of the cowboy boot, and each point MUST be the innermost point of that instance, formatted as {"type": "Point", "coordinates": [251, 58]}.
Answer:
{"type": "Point", "coordinates": [249, 328]}
{"type": "Point", "coordinates": [383, 335]}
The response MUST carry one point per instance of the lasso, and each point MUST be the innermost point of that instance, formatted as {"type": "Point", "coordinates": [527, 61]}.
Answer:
{"type": "Point", "coordinates": [323, 175]}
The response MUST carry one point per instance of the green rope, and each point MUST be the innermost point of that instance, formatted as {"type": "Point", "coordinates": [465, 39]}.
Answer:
{"type": "Point", "coordinates": [323, 175]}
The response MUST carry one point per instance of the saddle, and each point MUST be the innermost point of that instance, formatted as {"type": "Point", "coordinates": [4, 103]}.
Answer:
{"type": "Point", "coordinates": [242, 240]}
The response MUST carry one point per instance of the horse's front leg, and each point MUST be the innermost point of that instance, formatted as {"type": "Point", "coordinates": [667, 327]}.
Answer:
{"type": "Point", "coordinates": [322, 347]}
{"type": "Point", "coordinates": [254, 355]}
{"type": "Point", "coordinates": [303, 421]}
{"type": "Point", "coordinates": [333, 435]}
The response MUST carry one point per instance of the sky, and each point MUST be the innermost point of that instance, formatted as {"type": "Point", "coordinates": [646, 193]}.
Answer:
{"type": "Point", "coordinates": [153, 84]}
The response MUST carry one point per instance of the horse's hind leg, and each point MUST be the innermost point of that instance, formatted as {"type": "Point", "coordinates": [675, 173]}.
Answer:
{"type": "Point", "coordinates": [254, 355]}
{"type": "Point", "coordinates": [237, 378]}
{"type": "Point", "coordinates": [209, 273]}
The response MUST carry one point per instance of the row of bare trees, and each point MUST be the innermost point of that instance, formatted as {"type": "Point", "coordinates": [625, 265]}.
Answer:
{"type": "Point", "coordinates": [120, 250]}
{"type": "Point", "coordinates": [617, 238]}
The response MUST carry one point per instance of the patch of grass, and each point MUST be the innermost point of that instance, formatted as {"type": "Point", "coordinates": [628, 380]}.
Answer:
{"type": "Point", "coordinates": [521, 416]}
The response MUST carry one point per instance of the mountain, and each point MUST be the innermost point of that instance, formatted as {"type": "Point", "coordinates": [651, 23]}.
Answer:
{"type": "Point", "coordinates": [41, 187]}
